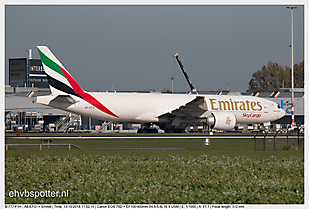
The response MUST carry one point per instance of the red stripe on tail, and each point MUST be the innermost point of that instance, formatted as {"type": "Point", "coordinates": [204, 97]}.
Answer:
{"type": "Point", "coordinates": [78, 90]}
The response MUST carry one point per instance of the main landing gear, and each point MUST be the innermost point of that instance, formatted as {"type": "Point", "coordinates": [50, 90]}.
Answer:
{"type": "Point", "coordinates": [151, 128]}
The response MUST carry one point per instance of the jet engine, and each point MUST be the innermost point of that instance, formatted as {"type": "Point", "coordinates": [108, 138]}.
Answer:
{"type": "Point", "coordinates": [222, 120]}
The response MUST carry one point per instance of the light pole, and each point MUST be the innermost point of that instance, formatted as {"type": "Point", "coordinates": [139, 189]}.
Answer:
{"type": "Point", "coordinates": [292, 69]}
{"type": "Point", "coordinates": [172, 85]}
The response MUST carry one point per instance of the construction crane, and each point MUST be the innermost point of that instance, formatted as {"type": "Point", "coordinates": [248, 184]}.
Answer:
{"type": "Point", "coordinates": [193, 89]}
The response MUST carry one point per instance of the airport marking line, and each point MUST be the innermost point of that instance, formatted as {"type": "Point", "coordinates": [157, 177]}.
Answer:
{"type": "Point", "coordinates": [140, 148]}
{"type": "Point", "coordinates": [147, 137]}
{"type": "Point", "coordinates": [70, 145]}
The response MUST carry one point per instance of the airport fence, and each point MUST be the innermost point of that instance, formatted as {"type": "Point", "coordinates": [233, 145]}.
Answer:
{"type": "Point", "coordinates": [292, 141]}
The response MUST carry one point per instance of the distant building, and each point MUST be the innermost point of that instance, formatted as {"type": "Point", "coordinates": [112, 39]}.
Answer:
{"type": "Point", "coordinates": [284, 101]}
{"type": "Point", "coordinates": [27, 72]}
{"type": "Point", "coordinates": [37, 76]}
{"type": "Point", "coordinates": [18, 72]}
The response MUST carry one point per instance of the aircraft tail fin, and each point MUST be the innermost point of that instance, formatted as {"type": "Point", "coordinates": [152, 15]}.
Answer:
{"type": "Point", "coordinates": [59, 79]}
{"type": "Point", "coordinates": [63, 84]}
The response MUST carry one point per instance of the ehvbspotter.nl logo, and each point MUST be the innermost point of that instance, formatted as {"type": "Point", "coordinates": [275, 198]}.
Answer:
{"type": "Point", "coordinates": [37, 194]}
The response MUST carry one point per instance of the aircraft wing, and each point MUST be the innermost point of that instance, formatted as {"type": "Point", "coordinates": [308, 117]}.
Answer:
{"type": "Point", "coordinates": [189, 111]}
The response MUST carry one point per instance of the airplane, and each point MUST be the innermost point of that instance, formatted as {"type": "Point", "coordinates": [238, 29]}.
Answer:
{"type": "Point", "coordinates": [171, 112]}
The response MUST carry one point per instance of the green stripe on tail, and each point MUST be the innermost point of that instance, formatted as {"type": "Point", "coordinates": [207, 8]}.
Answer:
{"type": "Point", "coordinates": [49, 63]}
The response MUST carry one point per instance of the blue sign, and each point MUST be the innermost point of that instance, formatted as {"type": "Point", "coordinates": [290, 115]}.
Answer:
{"type": "Point", "coordinates": [287, 106]}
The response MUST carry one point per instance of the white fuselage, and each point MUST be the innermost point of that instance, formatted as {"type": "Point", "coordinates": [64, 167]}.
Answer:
{"type": "Point", "coordinates": [148, 107]}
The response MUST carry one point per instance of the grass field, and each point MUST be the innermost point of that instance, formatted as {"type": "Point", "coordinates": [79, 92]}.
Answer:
{"type": "Point", "coordinates": [226, 171]}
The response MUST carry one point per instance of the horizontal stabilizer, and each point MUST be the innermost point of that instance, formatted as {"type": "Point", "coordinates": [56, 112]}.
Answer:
{"type": "Point", "coordinates": [58, 101]}
{"type": "Point", "coordinates": [67, 99]}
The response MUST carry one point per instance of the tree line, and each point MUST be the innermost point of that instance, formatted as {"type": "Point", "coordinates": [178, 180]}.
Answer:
{"type": "Point", "coordinates": [273, 76]}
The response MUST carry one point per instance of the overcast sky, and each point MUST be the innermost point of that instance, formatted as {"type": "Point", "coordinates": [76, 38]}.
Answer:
{"type": "Point", "coordinates": [132, 47]}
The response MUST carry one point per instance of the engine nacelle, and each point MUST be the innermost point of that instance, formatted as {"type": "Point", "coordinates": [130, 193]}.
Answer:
{"type": "Point", "coordinates": [222, 120]}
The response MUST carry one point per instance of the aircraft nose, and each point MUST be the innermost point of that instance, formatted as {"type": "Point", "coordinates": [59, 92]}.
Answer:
{"type": "Point", "coordinates": [281, 113]}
